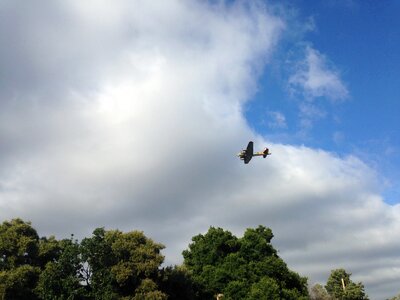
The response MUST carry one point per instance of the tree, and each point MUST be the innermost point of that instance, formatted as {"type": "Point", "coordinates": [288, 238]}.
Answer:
{"type": "Point", "coordinates": [350, 291]}
{"type": "Point", "coordinates": [19, 271]}
{"type": "Point", "coordinates": [236, 289]}
{"type": "Point", "coordinates": [119, 262]}
{"type": "Point", "coordinates": [49, 250]}
{"type": "Point", "coordinates": [266, 289]}
{"type": "Point", "coordinates": [177, 283]}
{"type": "Point", "coordinates": [109, 265]}
{"type": "Point", "coordinates": [240, 268]}
{"type": "Point", "coordinates": [97, 254]}
{"type": "Point", "coordinates": [148, 290]}
{"type": "Point", "coordinates": [19, 282]}
{"type": "Point", "coordinates": [256, 244]}
{"type": "Point", "coordinates": [115, 265]}
{"type": "Point", "coordinates": [61, 277]}
{"type": "Point", "coordinates": [19, 244]}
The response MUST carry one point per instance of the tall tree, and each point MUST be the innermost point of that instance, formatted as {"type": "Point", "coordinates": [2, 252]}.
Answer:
{"type": "Point", "coordinates": [241, 268]}
{"type": "Point", "coordinates": [97, 253]}
{"type": "Point", "coordinates": [62, 276]}
{"type": "Point", "coordinates": [19, 244]}
{"type": "Point", "coordinates": [121, 264]}
{"type": "Point", "coordinates": [19, 271]}
{"type": "Point", "coordinates": [206, 255]}
{"type": "Point", "coordinates": [340, 286]}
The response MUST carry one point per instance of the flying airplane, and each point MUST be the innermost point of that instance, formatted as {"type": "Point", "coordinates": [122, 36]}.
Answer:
{"type": "Point", "coordinates": [247, 154]}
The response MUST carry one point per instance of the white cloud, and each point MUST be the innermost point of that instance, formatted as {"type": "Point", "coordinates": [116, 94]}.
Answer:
{"type": "Point", "coordinates": [134, 122]}
{"type": "Point", "coordinates": [277, 120]}
{"type": "Point", "coordinates": [314, 77]}
{"type": "Point", "coordinates": [308, 114]}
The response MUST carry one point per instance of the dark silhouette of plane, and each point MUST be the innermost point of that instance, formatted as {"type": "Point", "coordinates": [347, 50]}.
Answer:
{"type": "Point", "coordinates": [247, 154]}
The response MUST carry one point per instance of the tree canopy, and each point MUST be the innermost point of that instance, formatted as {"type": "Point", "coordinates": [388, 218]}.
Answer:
{"type": "Point", "coordinates": [340, 286]}
{"type": "Point", "coordinates": [121, 264]}
{"type": "Point", "coordinates": [111, 264]}
{"type": "Point", "coordinates": [241, 268]}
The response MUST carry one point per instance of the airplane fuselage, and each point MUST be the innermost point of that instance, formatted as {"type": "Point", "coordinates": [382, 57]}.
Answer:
{"type": "Point", "coordinates": [247, 154]}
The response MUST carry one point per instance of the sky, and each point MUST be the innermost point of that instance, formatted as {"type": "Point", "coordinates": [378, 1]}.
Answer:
{"type": "Point", "coordinates": [130, 115]}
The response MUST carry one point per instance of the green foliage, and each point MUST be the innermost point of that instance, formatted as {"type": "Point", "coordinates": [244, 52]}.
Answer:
{"type": "Point", "coordinates": [256, 244]}
{"type": "Point", "coordinates": [61, 277]}
{"type": "Point", "coordinates": [97, 253]}
{"type": "Point", "coordinates": [49, 250]}
{"type": "Point", "coordinates": [137, 256]}
{"type": "Point", "coordinates": [352, 291]}
{"type": "Point", "coordinates": [19, 244]}
{"type": "Point", "coordinates": [147, 290]}
{"type": "Point", "coordinates": [19, 282]}
{"type": "Point", "coordinates": [119, 262]}
{"type": "Point", "coordinates": [211, 248]}
{"type": "Point", "coordinates": [236, 290]}
{"type": "Point", "coordinates": [115, 265]}
{"type": "Point", "coordinates": [265, 289]}
{"type": "Point", "coordinates": [177, 283]}
{"type": "Point", "coordinates": [109, 265]}
{"type": "Point", "coordinates": [222, 263]}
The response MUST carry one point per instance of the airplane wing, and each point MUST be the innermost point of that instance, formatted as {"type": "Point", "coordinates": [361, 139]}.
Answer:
{"type": "Point", "coordinates": [249, 153]}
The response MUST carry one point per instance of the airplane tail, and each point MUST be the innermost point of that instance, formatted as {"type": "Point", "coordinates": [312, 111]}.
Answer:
{"type": "Point", "coordinates": [266, 152]}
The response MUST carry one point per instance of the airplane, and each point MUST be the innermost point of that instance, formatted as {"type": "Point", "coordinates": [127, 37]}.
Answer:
{"type": "Point", "coordinates": [247, 154]}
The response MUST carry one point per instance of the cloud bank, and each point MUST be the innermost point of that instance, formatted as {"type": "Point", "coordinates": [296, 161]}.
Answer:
{"type": "Point", "coordinates": [129, 116]}
{"type": "Point", "coordinates": [314, 77]}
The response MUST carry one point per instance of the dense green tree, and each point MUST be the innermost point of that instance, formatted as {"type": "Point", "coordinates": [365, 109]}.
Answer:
{"type": "Point", "coordinates": [265, 289]}
{"type": "Point", "coordinates": [236, 290]}
{"type": "Point", "coordinates": [108, 265]}
{"type": "Point", "coordinates": [148, 290]}
{"type": "Point", "coordinates": [205, 256]}
{"type": "Point", "coordinates": [350, 291]}
{"type": "Point", "coordinates": [19, 271]}
{"type": "Point", "coordinates": [49, 250]}
{"type": "Point", "coordinates": [62, 277]}
{"type": "Point", "coordinates": [19, 282]}
{"type": "Point", "coordinates": [222, 263]}
{"type": "Point", "coordinates": [118, 262]}
{"type": "Point", "coordinates": [256, 244]}
{"type": "Point", "coordinates": [211, 248]}
{"type": "Point", "coordinates": [97, 253]}
{"type": "Point", "coordinates": [19, 244]}
{"type": "Point", "coordinates": [115, 265]}
{"type": "Point", "coordinates": [177, 283]}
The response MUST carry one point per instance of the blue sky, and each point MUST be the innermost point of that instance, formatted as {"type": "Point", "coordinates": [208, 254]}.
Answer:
{"type": "Point", "coordinates": [360, 40]}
